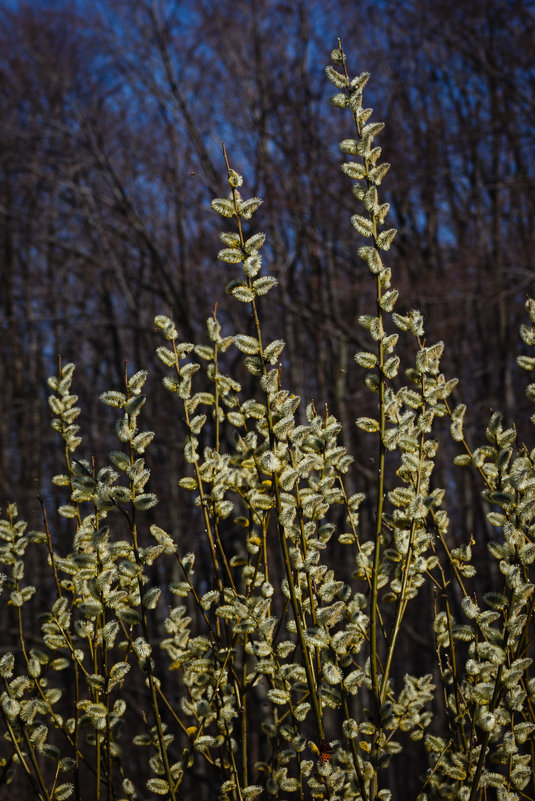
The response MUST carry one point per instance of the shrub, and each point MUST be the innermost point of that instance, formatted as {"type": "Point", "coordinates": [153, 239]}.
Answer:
{"type": "Point", "coordinates": [267, 667]}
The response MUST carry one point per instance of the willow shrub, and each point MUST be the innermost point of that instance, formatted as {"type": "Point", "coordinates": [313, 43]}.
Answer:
{"type": "Point", "coordinates": [268, 644]}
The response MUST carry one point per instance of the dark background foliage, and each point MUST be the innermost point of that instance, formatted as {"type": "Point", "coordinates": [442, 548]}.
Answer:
{"type": "Point", "coordinates": [112, 115]}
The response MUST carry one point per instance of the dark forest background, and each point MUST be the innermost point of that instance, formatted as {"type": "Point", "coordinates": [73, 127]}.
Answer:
{"type": "Point", "coordinates": [111, 122]}
{"type": "Point", "coordinates": [112, 115]}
